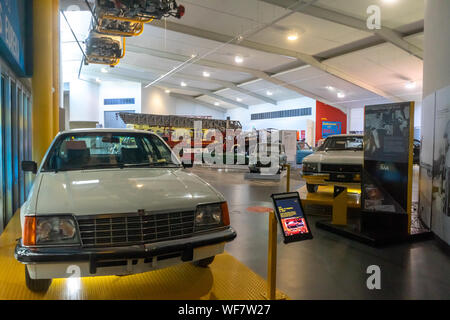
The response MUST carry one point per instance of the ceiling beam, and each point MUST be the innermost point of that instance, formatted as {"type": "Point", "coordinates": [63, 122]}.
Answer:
{"type": "Point", "coordinates": [205, 92]}
{"type": "Point", "coordinates": [120, 76]}
{"type": "Point", "coordinates": [227, 84]}
{"type": "Point", "coordinates": [196, 101]}
{"type": "Point", "coordinates": [385, 33]}
{"type": "Point", "coordinates": [308, 59]}
{"type": "Point", "coordinates": [218, 65]}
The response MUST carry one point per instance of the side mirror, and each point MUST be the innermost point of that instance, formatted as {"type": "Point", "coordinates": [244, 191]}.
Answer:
{"type": "Point", "coordinates": [29, 166]}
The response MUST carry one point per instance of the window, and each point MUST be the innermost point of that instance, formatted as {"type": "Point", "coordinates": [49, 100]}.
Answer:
{"type": "Point", "coordinates": [110, 102]}
{"type": "Point", "coordinates": [282, 114]}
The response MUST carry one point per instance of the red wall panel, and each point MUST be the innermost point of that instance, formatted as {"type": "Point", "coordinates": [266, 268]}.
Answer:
{"type": "Point", "coordinates": [325, 112]}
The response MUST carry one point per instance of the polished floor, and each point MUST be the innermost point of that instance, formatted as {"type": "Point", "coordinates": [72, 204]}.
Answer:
{"type": "Point", "coordinates": [329, 266]}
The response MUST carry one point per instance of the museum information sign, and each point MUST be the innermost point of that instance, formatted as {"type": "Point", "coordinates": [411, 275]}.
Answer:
{"type": "Point", "coordinates": [388, 150]}
{"type": "Point", "coordinates": [290, 214]}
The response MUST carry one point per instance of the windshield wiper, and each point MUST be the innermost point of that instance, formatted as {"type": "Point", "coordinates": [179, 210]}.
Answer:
{"type": "Point", "coordinates": [102, 165]}
{"type": "Point", "coordinates": [152, 165]}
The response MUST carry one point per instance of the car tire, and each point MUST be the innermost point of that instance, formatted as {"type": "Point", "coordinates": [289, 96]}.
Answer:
{"type": "Point", "coordinates": [312, 188]}
{"type": "Point", "coordinates": [36, 285]}
{"type": "Point", "coordinates": [204, 263]}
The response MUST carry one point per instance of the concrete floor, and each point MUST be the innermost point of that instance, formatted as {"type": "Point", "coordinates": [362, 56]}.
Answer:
{"type": "Point", "coordinates": [329, 266]}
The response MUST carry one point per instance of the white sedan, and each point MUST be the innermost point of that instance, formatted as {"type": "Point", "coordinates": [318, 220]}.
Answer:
{"type": "Point", "coordinates": [338, 160]}
{"type": "Point", "coordinates": [116, 202]}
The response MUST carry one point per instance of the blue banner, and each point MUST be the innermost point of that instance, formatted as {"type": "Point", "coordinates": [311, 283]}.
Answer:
{"type": "Point", "coordinates": [14, 33]}
{"type": "Point", "coordinates": [330, 128]}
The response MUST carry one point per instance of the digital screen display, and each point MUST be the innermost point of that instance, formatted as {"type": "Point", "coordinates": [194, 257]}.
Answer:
{"type": "Point", "coordinates": [291, 217]}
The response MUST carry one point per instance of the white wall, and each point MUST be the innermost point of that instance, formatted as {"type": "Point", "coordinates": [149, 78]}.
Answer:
{"type": "Point", "coordinates": [294, 123]}
{"type": "Point", "coordinates": [156, 101]}
{"type": "Point", "coordinates": [84, 103]}
{"type": "Point", "coordinates": [356, 119]}
{"type": "Point", "coordinates": [118, 90]}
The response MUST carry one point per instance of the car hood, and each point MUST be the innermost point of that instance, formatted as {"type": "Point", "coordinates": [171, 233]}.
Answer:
{"type": "Point", "coordinates": [122, 191]}
{"type": "Point", "coordinates": [336, 157]}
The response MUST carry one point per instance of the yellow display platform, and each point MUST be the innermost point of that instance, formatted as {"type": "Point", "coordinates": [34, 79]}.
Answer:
{"type": "Point", "coordinates": [324, 197]}
{"type": "Point", "coordinates": [226, 278]}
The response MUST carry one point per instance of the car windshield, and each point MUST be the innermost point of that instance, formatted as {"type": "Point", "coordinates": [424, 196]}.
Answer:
{"type": "Point", "coordinates": [83, 151]}
{"type": "Point", "coordinates": [342, 143]}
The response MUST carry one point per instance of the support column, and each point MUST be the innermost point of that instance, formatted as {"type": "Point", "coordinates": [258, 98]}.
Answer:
{"type": "Point", "coordinates": [42, 83]}
{"type": "Point", "coordinates": [56, 68]}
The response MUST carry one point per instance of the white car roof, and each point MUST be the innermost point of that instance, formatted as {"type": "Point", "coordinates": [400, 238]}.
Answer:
{"type": "Point", "coordinates": [93, 130]}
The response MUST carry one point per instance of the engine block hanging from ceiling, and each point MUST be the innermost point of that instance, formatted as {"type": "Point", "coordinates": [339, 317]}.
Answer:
{"type": "Point", "coordinates": [103, 50]}
{"type": "Point", "coordinates": [127, 17]}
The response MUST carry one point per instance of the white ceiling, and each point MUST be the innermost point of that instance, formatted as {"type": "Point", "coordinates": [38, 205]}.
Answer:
{"type": "Point", "coordinates": [382, 68]}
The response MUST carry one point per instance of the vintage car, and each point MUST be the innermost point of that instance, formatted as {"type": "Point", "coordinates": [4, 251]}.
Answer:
{"type": "Point", "coordinates": [338, 160]}
{"type": "Point", "coordinates": [116, 202]}
{"type": "Point", "coordinates": [303, 150]}
{"type": "Point", "coordinates": [261, 158]}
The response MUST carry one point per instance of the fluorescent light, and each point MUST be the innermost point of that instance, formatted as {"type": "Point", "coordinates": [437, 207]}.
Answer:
{"type": "Point", "coordinates": [238, 59]}
{"type": "Point", "coordinates": [85, 182]}
{"type": "Point", "coordinates": [292, 37]}
{"type": "Point", "coordinates": [238, 99]}
{"type": "Point", "coordinates": [206, 74]}
{"type": "Point", "coordinates": [98, 80]}
{"type": "Point", "coordinates": [330, 88]}
{"type": "Point", "coordinates": [410, 85]}
{"type": "Point", "coordinates": [167, 91]}
{"type": "Point", "coordinates": [389, 1]}
{"type": "Point", "coordinates": [341, 95]}
{"type": "Point", "coordinates": [269, 93]}
{"type": "Point", "coordinates": [216, 104]}
{"type": "Point", "coordinates": [183, 84]}
{"type": "Point", "coordinates": [104, 70]}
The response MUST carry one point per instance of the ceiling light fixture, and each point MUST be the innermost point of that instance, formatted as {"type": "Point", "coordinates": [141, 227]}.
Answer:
{"type": "Point", "coordinates": [269, 93]}
{"type": "Point", "coordinates": [341, 95]}
{"type": "Point", "coordinates": [98, 80]}
{"type": "Point", "coordinates": [183, 84]}
{"type": "Point", "coordinates": [216, 104]}
{"type": "Point", "coordinates": [104, 70]}
{"type": "Point", "coordinates": [389, 1]}
{"type": "Point", "coordinates": [330, 88]}
{"type": "Point", "coordinates": [206, 74]}
{"type": "Point", "coordinates": [167, 91]}
{"type": "Point", "coordinates": [410, 85]}
{"type": "Point", "coordinates": [292, 36]}
{"type": "Point", "coordinates": [238, 59]}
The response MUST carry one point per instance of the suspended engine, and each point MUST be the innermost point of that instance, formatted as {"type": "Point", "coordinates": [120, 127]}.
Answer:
{"type": "Point", "coordinates": [127, 17]}
{"type": "Point", "coordinates": [116, 19]}
{"type": "Point", "coordinates": [103, 50]}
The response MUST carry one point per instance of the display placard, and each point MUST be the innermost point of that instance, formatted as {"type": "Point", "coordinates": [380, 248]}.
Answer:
{"type": "Point", "coordinates": [388, 152]}
{"type": "Point", "coordinates": [290, 214]}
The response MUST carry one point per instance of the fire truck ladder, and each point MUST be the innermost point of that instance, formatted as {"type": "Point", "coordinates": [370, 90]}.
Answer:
{"type": "Point", "coordinates": [156, 120]}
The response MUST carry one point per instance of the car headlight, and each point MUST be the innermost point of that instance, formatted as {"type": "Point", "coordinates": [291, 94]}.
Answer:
{"type": "Point", "coordinates": [56, 230]}
{"type": "Point", "coordinates": [211, 216]}
{"type": "Point", "coordinates": [310, 167]}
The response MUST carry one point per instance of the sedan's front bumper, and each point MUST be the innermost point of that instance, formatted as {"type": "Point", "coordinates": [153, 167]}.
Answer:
{"type": "Point", "coordinates": [52, 262]}
{"type": "Point", "coordinates": [352, 180]}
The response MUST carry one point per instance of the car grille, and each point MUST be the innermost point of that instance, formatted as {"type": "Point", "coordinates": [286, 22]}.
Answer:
{"type": "Point", "coordinates": [341, 168]}
{"type": "Point", "coordinates": [123, 230]}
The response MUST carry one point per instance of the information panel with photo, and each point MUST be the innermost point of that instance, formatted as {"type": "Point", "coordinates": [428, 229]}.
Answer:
{"type": "Point", "coordinates": [386, 180]}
